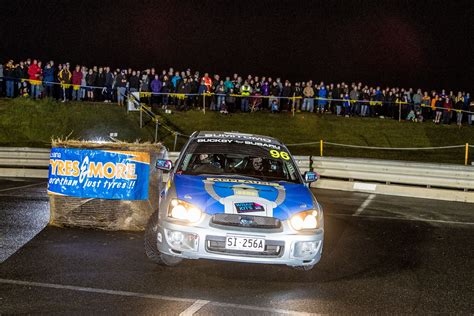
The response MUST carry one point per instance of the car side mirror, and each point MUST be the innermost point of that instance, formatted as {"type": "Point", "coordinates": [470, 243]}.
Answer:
{"type": "Point", "coordinates": [163, 164]}
{"type": "Point", "coordinates": [310, 176]}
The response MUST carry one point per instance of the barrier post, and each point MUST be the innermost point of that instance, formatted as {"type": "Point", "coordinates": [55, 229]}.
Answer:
{"type": "Point", "coordinates": [399, 111]}
{"type": "Point", "coordinates": [175, 141]}
{"type": "Point", "coordinates": [321, 148]}
{"type": "Point", "coordinates": [204, 103]}
{"type": "Point", "coordinates": [466, 157]}
{"type": "Point", "coordinates": [141, 116]}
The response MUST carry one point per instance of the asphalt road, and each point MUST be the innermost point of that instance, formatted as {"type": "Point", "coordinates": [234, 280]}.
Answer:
{"type": "Point", "coordinates": [396, 255]}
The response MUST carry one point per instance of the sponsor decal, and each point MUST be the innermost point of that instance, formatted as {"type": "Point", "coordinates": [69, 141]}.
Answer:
{"type": "Point", "coordinates": [243, 181]}
{"type": "Point", "coordinates": [248, 207]}
{"type": "Point", "coordinates": [237, 141]}
{"type": "Point", "coordinates": [104, 174]}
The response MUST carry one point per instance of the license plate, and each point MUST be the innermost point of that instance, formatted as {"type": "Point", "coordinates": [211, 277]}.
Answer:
{"type": "Point", "coordinates": [245, 243]}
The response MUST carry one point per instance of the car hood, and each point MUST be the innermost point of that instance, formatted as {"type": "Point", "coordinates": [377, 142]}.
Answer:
{"type": "Point", "coordinates": [219, 194]}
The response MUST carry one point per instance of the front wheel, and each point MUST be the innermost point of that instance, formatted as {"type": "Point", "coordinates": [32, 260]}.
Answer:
{"type": "Point", "coordinates": [151, 249]}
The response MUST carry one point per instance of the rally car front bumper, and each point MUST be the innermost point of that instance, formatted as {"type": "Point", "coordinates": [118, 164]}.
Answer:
{"type": "Point", "coordinates": [207, 241]}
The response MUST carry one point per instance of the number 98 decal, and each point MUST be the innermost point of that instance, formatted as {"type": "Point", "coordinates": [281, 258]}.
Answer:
{"type": "Point", "coordinates": [279, 154]}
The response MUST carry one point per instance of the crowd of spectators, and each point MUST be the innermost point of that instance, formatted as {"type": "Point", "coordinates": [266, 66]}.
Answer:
{"type": "Point", "coordinates": [32, 78]}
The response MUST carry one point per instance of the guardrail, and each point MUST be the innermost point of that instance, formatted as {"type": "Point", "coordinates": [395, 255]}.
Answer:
{"type": "Point", "coordinates": [24, 162]}
{"type": "Point", "coordinates": [423, 180]}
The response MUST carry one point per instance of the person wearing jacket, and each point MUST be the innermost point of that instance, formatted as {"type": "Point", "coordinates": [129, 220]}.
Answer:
{"type": "Point", "coordinates": [425, 106]}
{"type": "Point", "coordinates": [308, 101]}
{"type": "Point", "coordinates": [109, 82]}
{"type": "Point", "coordinates": [286, 94]}
{"type": "Point", "coordinates": [64, 77]}
{"type": "Point", "coordinates": [76, 83]}
{"type": "Point", "coordinates": [447, 107]}
{"type": "Point", "coordinates": [322, 94]}
{"type": "Point", "coordinates": [48, 78]}
{"type": "Point", "coordinates": [156, 85]}
{"type": "Point", "coordinates": [100, 84]}
{"type": "Point", "coordinates": [245, 91]}
{"type": "Point", "coordinates": [220, 91]}
{"type": "Point", "coordinates": [184, 88]}
{"type": "Point", "coordinates": [297, 93]}
{"type": "Point", "coordinates": [469, 106]}
{"type": "Point", "coordinates": [9, 73]}
{"type": "Point", "coordinates": [90, 82]}
{"type": "Point", "coordinates": [121, 84]}
{"type": "Point", "coordinates": [458, 106]}
{"type": "Point", "coordinates": [34, 72]}
{"type": "Point", "coordinates": [83, 82]}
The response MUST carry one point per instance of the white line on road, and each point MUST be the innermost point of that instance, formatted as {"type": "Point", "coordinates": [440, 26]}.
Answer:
{"type": "Point", "coordinates": [150, 296]}
{"type": "Point", "coordinates": [413, 219]}
{"type": "Point", "coordinates": [364, 205]}
{"type": "Point", "coordinates": [194, 308]}
{"type": "Point", "coordinates": [23, 186]}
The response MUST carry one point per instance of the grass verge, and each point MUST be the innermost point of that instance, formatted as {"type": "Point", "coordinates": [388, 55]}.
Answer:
{"type": "Point", "coordinates": [25, 122]}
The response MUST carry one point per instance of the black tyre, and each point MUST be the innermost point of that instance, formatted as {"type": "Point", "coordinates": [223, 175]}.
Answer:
{"type": "Point", "coordinates": [151, 249]}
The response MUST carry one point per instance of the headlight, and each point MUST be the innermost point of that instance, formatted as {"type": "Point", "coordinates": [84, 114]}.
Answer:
{"type": "Point", "coordinates": [304, 220]}
{"type": "Point", "coordinates": [184, 211]}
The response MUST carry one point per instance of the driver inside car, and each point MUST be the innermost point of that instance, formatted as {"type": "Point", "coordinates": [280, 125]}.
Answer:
{"type": "Point", "coordinates": [207, 163]}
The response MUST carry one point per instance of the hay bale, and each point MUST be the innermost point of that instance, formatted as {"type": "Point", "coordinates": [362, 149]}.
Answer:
{"type": "Point", "coordinates": [109, 214]}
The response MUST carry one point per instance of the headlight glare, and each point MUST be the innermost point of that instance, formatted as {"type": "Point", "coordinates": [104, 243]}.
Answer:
{"type": "Point", "coordinates": [184, 211]}
{"type": "Point", "coordinates": [304, 220]}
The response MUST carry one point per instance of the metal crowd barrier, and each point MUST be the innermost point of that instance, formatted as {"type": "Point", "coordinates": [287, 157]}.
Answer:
{"type": "Point", "coordinates": [411, 179]}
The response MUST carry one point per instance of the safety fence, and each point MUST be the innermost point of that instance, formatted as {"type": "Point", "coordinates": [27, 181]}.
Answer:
{"type": "Point", "coordinates": [372, 103]}
{"type": "Point", "coordinates": [322, 143]}
{"type": "Point", "coordinates": [424, 180]}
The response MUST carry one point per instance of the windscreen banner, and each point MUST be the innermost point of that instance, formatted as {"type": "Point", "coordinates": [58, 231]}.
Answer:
{"type": "Point", "coordinates": [101, 174]}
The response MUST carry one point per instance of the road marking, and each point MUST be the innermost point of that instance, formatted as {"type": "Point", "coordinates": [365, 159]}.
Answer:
{"type": "Point", "coordinates": [194, 308]}
{"type": "Point", "coordinates": [364, 205]}
{"type": "Point", "coordinates": [412, 219]}
{"type": "Point", "coordinates": [150, 296]}
{"type": "Point", "coordinates": [23, 186]}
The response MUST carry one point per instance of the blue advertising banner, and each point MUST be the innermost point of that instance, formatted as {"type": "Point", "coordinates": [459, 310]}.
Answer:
{"type": "Point", "coordinates": [102, 174]}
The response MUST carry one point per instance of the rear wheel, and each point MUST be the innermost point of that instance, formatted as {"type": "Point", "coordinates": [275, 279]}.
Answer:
{"type": "Point", "coordinates": [151, 248]}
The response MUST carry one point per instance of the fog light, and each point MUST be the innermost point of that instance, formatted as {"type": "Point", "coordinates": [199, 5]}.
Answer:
{"type": "Point", "coordinates": [176, 237]}
{"type": "Point", "coordinates": [306, 248]}
{"type": "Point", "coordinates": [181, 240]}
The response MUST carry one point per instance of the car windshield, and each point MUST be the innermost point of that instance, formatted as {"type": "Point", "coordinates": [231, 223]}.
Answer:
{"type": "Point", "coordinates": [271, 163]}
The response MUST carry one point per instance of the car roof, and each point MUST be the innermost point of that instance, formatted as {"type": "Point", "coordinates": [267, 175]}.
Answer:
{"type": "Point", "coordinates": [236, 135]}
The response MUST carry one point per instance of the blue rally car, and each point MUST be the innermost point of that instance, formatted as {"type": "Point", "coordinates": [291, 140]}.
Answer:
{"type": "Point", "coordinates": [236, 197]}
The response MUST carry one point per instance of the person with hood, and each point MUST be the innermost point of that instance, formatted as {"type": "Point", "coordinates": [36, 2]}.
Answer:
{"type": "Point", "coordinates": [48, 78]}
{"type": "Point", "coordinates": [322, 95]}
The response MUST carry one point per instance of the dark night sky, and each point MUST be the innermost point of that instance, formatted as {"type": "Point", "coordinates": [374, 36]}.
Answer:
{"type": "Point", "coordinates": [419, 43]}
